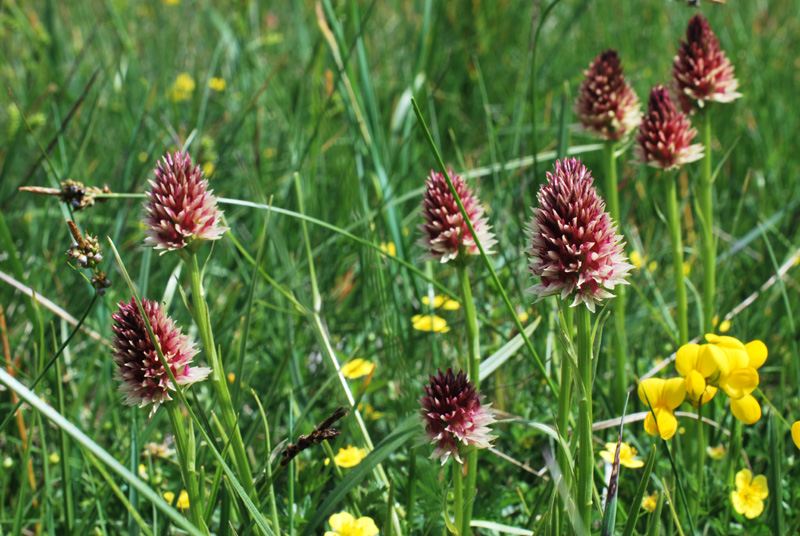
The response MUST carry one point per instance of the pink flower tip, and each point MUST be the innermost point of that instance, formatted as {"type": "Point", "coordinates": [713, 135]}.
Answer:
{"type": "Point", "coordinates": [573, 243]}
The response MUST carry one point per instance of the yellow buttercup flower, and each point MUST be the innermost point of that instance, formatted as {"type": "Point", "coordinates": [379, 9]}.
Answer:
{"type": "Point", "coordinates": [442, 301]}
{"type": "Point", "coordinates": [796, 434]}
{"type": "Point", "coordinates": [748, 499]}
{"type": "Point", "coordinates": [665, 396]}
{"type": "Point", "coordinates": [217, 84]}
{"type": "Point", "coordinates": [649, 502]}
{"type": "Point", "coordinates": [627, 455]}
{"type": "Point", "coordinates": [636, 259]}
{"type": "Point", "coordinates": [208, 168]}
{"type": "Point", "coordinates": [389, 248]}
{"type": "Point", "coordinates": [349, 457]}
{"type": "Point", "coordinates": [182, 89]}
{"type": "Point", "coordinates": [716, 453]}
{"type": "Point", "coordinates": [428, 323]}
{"type": "Point", "coordinates": [357, 368]}
{"type": "Point", "coordinates": [183, 499]}
{"type": "Point", "coordinates": [343, 524]}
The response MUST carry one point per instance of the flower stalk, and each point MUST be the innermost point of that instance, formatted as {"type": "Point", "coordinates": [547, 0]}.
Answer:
{"type": "Point", "coordinates": [585, 453]}
{"type": "Point", "coordinates": [565, 396]}
{"type": "Point", "coordinates": [185, 446]}
{"type": "Point", "coordinates": [620, 341]}
{"type": "Point", "coordinates": [458, 498]}
{"type": "Point", "coordinates": [674, 228]}
{"type": "Point", "coordinates": [706, 206]}
{"type": "Point", "coordinates": [218, 379]}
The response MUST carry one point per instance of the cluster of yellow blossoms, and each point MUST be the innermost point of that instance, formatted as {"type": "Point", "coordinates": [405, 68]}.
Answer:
{"type": "Point", "coordinates": [725, 364]}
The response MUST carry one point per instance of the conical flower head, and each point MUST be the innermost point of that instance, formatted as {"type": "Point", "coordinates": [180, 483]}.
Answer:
{"type": "Point", "coordinates": [701, 70]}
{"type": "Point", "coordinates": [144, 379]}
{"type": "Point", "coordinates": [665, 135]}
{"type": "Point", "coordinates": [607, 106]}
{"type": "Point", "coordinates": [180, 210]}
{"type": "Point", "coordinates": [453, 415]}
{"type": "Point", "coordinates": [573, 243]}
{"type": "Point", "coordinates": [445, 234]}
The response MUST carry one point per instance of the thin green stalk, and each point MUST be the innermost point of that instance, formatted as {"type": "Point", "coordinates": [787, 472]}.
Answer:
{"type": "Point", "coordinates": [585, 454]}
{"type": "Point", "coordinates": [458, 497]}
{"type": "Point", "coordinates": [218, 379]}
{"type": "Point", "coordinates": [706, 202]}
{"type": "Point", "coordinates": [473, 360]}
{"type": "Point", "coordinates": [674, 226]}
{"type": "Point", "coordinates": [564, 412]}
{"type": "Point", "coordinates": [700, 457]}
{"type": "Point", "coordinates": [184, 444]}
{"type": "Point", "coordinates": [620, 340]}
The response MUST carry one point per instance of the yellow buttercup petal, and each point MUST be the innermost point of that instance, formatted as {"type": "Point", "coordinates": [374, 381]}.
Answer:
{"type": "Point", "coordinates": [357, 368]}
{"type": "Point", "coordinates": [686, 358]}
{"type": "Point", "coordinates": [743, 478]}
{"type": "Point", "coordinates": [674, 393]}
{"type": "Point", "coordinates": [796, 434]}
{"type": "Point", "coordinates": [746, 409]}
{"type": "Point", "coordinates": [759, 488]}
{"type": "Point", "coordinates": [756, 352]}
{"type": "Point", "coordinates": [340, 521]}
{"type": "Point", "coordinates": [366, 527]}
{"type": "Point", "coordinates": [753, 508]}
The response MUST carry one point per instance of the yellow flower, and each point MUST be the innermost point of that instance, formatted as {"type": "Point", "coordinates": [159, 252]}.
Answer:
{"type": "Point", "coordinates": [716, 453]}
{"type": "Point", "coordinates": [182, 89]}
{"type": "Point", "coordinates": [426, 323]}
{"type": "Point", "coordinates": [370, 413]}
{"type": "Point", "coordinates": [725, 326]}
{"type": "Point", "coordinates": [357, 368]}
{"type": "Point", "coordinates": [649, 502]}
{"type": "Point", "coordinates": [739, 374]}
{"type": "Point", "coordinates": [143, 157]}
{"type": "Point", "coordinates": [627, 455]}
{"type": "Point", "coordinates": [652, 266]}
{"type": "Point", "coordinates": [389, 248]}
{"type": "Point", "coordinates": [54, 457]}
{"type": "Point", "coordinates": [183, 499]}
{"type": "Point", "coordinates": [208, 168]}
{"type": "Point", "coordinates": [687, 270]}
{"type": "Point", "coordinates": [665, 396]}
{"type": "Point", "coordinates": [217, 84]}
{"type": "Point", "coordinates": [170, 2]}
{"type": "Point", "coordinates": [748, 499]}
{"type": "Point", "coordinates": [143, 472]}
{"type": "Point", "coordinates": [343, 524]}
{"type": "Point", "coordinates": [349, 457]}
{"type": "Point", "coordinates": [442, 301]}
{"type": "Point", "coordinates": [231, 377]}
{"type": "Point", "coordinates": [636, 259]}
{"type": "Point", "coordinates": [796, 434]}
{"type": "Point", "coordinates": [697, 364]}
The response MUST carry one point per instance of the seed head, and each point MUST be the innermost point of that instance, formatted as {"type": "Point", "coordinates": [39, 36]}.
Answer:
{"type": "Point", "coordinates": [665, 135]}
{"type": "Point", "coordinates": [607, 106]}
{"type": "Point", "coordinates": [144, 379]}
{"type": "Point", "coordinates": [180, 210]}
{"type": "Point", "coordinates": [453, 414]}
{"type": "Point", "coordinates": [573, 243]}
{"type": "Point", "coordinates": [445, 234]}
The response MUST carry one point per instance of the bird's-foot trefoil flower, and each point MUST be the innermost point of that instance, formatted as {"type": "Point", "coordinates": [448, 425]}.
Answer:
{"type": "Point", "coordinates": [663, 397]}
{"type": "Point", "coordinates": [627, 455]}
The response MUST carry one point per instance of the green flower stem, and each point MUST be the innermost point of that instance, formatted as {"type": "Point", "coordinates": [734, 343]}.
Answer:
{"type": "Point", "coordinates": [184, 444]}
{"type": "Point", "coordinates": [473, 359]}
{"type": "Point", "coordinates": [585, 453]}
{"type": "Point", "coordinates": [218, 379]}
{"type": "Point", "coordinates": [458, 496]}
{"type": "Point", "coordinates": [706, 203]}
{"type": "Point", "coordinates": [620, 337]}
{"type": "Point", "coordinates": [674, 226]}
{"type": "Point", "coordinates": [700, 458]}
{"type": "Point", "coordinates": [564, 398]}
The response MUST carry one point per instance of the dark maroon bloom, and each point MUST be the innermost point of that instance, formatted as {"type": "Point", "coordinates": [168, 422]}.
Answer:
{"type": "Point", "coordinates": [574, 245]}
{"type": "Point", "coordinates": [665, 135]}
{"type": "Point", "coordinates": [180, 209]}
{"type": "Point", "coordinates": [607, 106]}
{"type": "Point", "coordinates": [453, 414]}
{"type": "Point", "coordinates": [445, 234]}
{"type": "Point", "coordinates": [701, 70]}
{"type": "Point", "coordinates": [144, 379]}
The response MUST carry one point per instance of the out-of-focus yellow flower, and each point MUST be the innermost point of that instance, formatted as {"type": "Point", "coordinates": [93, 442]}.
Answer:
{"type": "Point", "coordinates": [183, 499]}
{"type": "Point", "coordinates": [748, 499]}
{"type": "Point", "coordinates": [208, 168]}
{"type": "Point", "coordinates": [687, 270]}
{"type": "Point", "coordinates": [268, 153]}
{"type": "Point", "coordinates": [170, 2]}
{"type": "Point", "coordinates": [357, 368]}
{"type": "Point", "coordinates": [142, 157]}
{"type": "Point", "coordinates": [665, 396]}
{"type": "Point", "coordinates": [343, 524]}
{"type": "Point", "coordinates": [348, 457]}
{"type": "Point", "coordinates": [725, 326]}
{"type": "Point", "coordinates": [649, 502]}
{"type": "Point", "coordinates": [717, 453]}
{"type": "Point", "coordinates": [523, 317]}
{"type": "Point", "coordinates": [370, 412]}
{"type": "Point", "coordinates": [442, 301]}
{"type": "Point", "coordinates": [231, 377]}
{"type": "Point", "coordinates": [796, 434]}
{"type": "Point", "coordinates": [217, 84]}
{"type": "Point", "coordinates": [627, 455]}
{"type": "Point", "coordinates": [54, 458]}
{"type": "Point", "coordinates": [428, 323]}
{"type": "Point", "coordinates": [636, 259]}
{"type": "Point", "coordinates": [143, 472]}
{"type": "Point", "coordinates": [182, 89]}
{"type": "Point", "coordinates": [389, 248]}
{"type": "Point", "coordinates": [652, 266]}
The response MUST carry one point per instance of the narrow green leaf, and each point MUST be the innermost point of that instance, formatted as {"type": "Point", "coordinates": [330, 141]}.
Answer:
{"type": "Point", "coordinates": [636, 505]}
{"type": "Point", "coordinates": [774, 479]}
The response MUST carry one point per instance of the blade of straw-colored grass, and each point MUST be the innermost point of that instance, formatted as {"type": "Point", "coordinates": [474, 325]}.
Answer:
{"type": "Point", "coordinates": [85, 441]}
{"type": "Point", "coordinates": [775, 478]}
{"type": "Point", "coordinates": [636, 505]}
{"type": "Point", "coordinates": [63, 448]}
{"type": "Point", "coordinates": [485, 258]}
{"type": "Point", "coordinates": [610, 514]}
{"type": "Point", "coordinates": [499, 527]}
{"type": "Point", "coordinates": [671, 504]}
{"type": "Point", "coordinates": [399, 436]}
{"type": "Point", "coordinates": [251, 508]}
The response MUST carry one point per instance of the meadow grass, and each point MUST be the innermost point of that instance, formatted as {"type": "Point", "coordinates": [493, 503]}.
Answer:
{"type": "Point", "coordinates": [314, 147]}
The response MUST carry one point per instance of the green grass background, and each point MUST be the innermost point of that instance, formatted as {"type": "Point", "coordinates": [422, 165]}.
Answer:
{"type": "Point", "coordinates": [93, 81]}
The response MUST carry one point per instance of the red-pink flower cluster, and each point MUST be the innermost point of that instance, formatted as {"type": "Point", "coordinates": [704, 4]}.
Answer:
{"type": "Point", "coordinates": [665, 135]}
